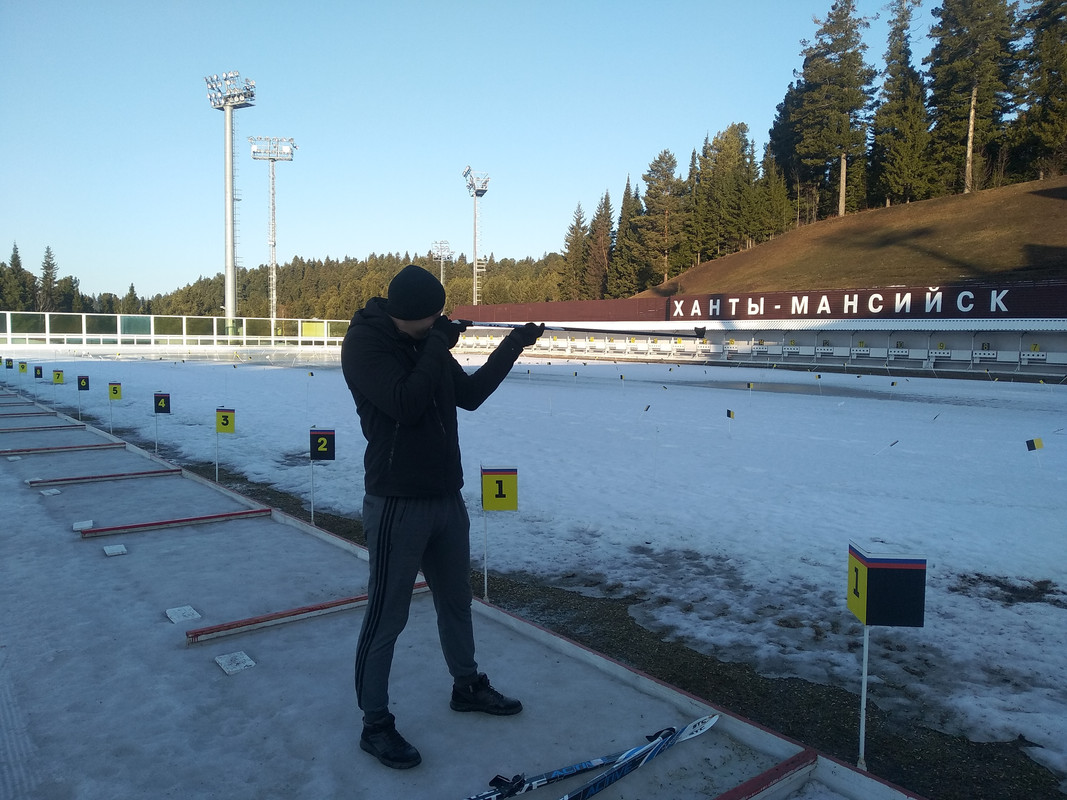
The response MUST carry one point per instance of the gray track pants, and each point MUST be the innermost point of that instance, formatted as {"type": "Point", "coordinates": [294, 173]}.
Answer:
{"type": "Point", "coordinates": [404, 535]}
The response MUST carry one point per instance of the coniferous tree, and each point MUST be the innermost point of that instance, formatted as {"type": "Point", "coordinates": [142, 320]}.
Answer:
{"type": "Point", "coordinates": [698, 206]}
{"type": "Point", "coordinates": [46, 292]}
{"type": "Point", "coordinates": [4, 269]}
{"type": "Point", "coordinates": [18, 287]}
{"type": "Point", "coordinates": [972, 64]}
{"type": "Point", "coordinates": [776, 209]}
{"type": "Point", "coordinates": [626, 275]}
{"type": "Point", "coordinates": [660, 228]}
{"type": "Point", "coordinates": [728, 183]}
{"type": "Point", "coordinates": [16, 259]}
{"type": "Point", "coordinates": [601, 244]}
{"type": "Point", "coordinates": [68, 295]}
{"type": "Point", "coordinates": [900, 150]}
{"type": "Point", "coordinates": [830, 119]}
{"type": "Point", "coordinates": [108, 303]}
{"type": "Point", "coordinates": [751, 200]}
{"type": "Point", "coordinates": [131, 303]}
{"type": "Point", "coordinates": [782, 145]}
{"type": "Point", "coordinates": [575, 257]}
{"type": "Point", "coordinates": [693, 237]}
{"type": "Point", "coordinates": [1041, 129]}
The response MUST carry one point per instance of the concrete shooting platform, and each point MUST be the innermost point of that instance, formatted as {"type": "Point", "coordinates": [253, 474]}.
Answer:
{"type": "Point", "coordinates": [162, 636]}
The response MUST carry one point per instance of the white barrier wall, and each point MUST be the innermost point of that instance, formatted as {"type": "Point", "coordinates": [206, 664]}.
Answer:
{"type": "Point", "coordinates": [1036, 354]}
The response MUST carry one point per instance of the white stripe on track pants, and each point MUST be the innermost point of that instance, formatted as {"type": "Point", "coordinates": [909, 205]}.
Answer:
{"type": "Point", "coordinates": [404, 535]}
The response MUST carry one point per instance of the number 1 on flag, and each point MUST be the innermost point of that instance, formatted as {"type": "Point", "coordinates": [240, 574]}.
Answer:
{"type": "Point", "coordinates": [500, 489]}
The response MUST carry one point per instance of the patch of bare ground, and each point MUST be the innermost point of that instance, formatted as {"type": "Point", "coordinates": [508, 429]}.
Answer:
{"type": "Point", "coordinates": [1005, 235]}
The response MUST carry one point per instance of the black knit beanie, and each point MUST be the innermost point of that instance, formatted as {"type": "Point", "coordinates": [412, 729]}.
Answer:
{"type": "Point", "coordinates": [414, 294]}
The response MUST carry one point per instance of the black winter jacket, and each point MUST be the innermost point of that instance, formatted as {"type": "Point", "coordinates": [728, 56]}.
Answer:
{"type": "Point", "coordinates": [406, 394]}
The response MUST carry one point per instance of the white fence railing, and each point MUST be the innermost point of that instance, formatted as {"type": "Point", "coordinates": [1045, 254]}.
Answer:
{"type": "Point", "coordinates": [73, 330]}
{"type": "Point", "coordinates": [1040, 354]}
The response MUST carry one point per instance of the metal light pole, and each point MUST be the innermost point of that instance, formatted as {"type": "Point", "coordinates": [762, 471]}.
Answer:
{"type": "Point", "coordinates": [442, 253]}
{"type": "Point", "coordinates": [273, 149]}
{"type": "Point", "coordinates": [477, 185]}
{"type": "Point", "coordinates": [226, 94]}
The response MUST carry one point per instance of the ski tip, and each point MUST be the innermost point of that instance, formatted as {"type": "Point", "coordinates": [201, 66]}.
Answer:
{"type": "Point", "coordinates": [698, 727]}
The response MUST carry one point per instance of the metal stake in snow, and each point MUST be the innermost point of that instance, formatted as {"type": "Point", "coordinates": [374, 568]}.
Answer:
{"type": "Point", "coordinates": [83, 386]}
{"type": "Point", "coordinates": [883, 590]}
{"type": "Point", "coordinates": [500, 492]}
{"type": "Point", "coordinates": [57, 379]}
{"type": "Point", "coordinates": [225, 422]}
{"type": "Point", "coordinates": [322, 449]}
{"type": "Point", "coordinates": [160, 405]}
{"type": "Point", "coordinates": [114, 392]}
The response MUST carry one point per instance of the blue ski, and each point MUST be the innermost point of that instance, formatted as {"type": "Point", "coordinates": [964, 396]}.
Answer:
{"type": "Point", "coordinates": [520, 784]}
{"type": "Point", "coordinates": [639, 756]}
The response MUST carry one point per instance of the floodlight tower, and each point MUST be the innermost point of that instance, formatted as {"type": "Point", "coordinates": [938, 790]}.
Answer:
{"type": "Point", "coordinates": [272, 149]}
{"type": "Point", "coordinates": [477, 185]}
{"type": "Point", "coordinates": [226, 93]}
{"type": "Point", "coordinates": [442, 253]}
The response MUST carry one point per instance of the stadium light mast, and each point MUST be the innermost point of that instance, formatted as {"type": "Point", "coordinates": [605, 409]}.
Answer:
{"type": "Point", "coordinates": [272, 149]}
{"type": "Point", "coordinates": [442, 253]}
{"type": "Point", "coordinates": [477, 185]}
{"type": "Point", "coordinates": [226, 92]}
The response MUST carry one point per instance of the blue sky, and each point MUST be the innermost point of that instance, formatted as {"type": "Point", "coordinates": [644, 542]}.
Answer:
{"type": "Point", "coordinates": [114, 157]}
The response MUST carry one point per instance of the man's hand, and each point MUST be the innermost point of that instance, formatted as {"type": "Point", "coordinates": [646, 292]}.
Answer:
{"type": "Point", "coordinates": [450, 329]}
{"type": "Point", "coordinates": [527, 334]}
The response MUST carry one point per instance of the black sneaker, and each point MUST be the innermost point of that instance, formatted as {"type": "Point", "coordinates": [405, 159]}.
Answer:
{"type": "Point", "coordinates": [382, 741]}
{"type": "Point", "coordinates": [480, 696]}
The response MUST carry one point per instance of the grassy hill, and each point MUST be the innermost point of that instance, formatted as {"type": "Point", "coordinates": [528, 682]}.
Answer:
{"type": "Point", "coordinates": [1017, 233]}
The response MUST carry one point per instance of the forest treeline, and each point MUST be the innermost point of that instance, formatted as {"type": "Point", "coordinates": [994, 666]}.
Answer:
{"type": "Point", "coordinates": [987, 107]}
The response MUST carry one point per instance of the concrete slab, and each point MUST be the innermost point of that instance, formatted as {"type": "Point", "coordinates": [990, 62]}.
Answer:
{"type": "Point", "coordinates": [101, 696]}
{"type": "Point", "coordinates": [50, 465]}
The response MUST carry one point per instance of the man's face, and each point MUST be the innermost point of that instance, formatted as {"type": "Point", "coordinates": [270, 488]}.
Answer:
{"type": "Point", "coordinates": [416, 328]}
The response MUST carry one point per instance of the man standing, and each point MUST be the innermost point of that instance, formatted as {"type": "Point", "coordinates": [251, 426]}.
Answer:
{"type": "Point", "coordinates": [407, 387]}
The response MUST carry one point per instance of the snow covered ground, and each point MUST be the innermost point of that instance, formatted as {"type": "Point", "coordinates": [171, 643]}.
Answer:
{"type": "Point", "coordinates": [634, 480]}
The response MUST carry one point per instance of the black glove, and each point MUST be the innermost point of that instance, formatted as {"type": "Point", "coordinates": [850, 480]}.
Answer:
{"type": "Point", "coordinates": [527, 334]}
{"type": "Point", "coordinates": [450, 329]}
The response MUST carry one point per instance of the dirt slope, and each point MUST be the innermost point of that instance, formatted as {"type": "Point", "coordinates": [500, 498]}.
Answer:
{"type": "Point", "coordinates": [1017, 233]}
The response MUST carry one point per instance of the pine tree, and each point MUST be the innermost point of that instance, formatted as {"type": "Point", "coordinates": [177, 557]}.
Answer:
{"type": "Point", "coordinates": [130, 304]}
{"type": "Point", "coordinates": [68, 295]}
{"type": "Point", "coordinates": [750, 200]}
{"type": "Point", "coordinates": [776, 210]}
{"type": "Point", "coordinates": [575, 257]}
{"type": "Point", "coordinates": [782, 145]}
{"type": "Point", "coordinates": [698, 228]}
{"type": "Point", "coordinates": [728, 183]}
{"type": "Point", "coordinates": [660, 228]}
{"type": "Point", "coordinates": [831, 117]}
{"type": "Point", "coordinates": [18, 288]}
{"type": "Point", "coordinates": [1042, 125]}
{"type": "Point", "coordinates": [46, 292]}
{"type": "Point", "coordinates": [625, 275]}
{"type": "Point", "coordinates": [4, 269]}
{"type": "Point", "coordinates": [900, 150]}
{"type": "Point", "coordinates": [972, 64]}
{"type": "Point", "coordinates": [690, 252]}
{"type": "Point", "coordinates": [601, 245]}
